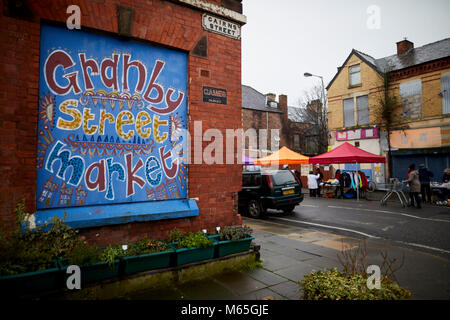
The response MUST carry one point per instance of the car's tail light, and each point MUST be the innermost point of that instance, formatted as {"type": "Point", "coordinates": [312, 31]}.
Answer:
{"type": "Point", "coordinates": [269, 181]}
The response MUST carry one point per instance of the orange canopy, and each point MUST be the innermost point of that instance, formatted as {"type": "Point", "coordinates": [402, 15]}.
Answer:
{"type": "Point", "coordinates": [283, 156]}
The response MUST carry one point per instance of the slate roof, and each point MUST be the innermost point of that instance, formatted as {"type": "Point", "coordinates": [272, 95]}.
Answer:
{"type": "Point", "coordinates": [429, 52]}
{"type": "Point", "coordinates": [426, 53]}
{"type": "Point", "coordinates": [255, 100]}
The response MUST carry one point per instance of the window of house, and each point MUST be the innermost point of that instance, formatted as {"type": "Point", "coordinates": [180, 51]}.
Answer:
{"type": "Point", "coordinates": [445, 93]}
{"type": "Point", "coordinates": [355, 75]}
{"type": "Point", "coordinates": [296, 141]}
{"type": "Point", "coordinates": [362, 103]}
{"type": "Point", "coordinates": [411, 96]}
{"type": "Point", "coordinates": [360, 116]}
{"type": "Point", "coordinates": [349, 112]}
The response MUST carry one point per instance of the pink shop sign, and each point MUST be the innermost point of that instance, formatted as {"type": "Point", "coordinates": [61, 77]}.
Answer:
{"type": "Point", "coordinates": [367, 133]}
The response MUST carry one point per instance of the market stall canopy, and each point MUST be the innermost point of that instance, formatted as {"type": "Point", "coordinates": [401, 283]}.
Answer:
{"type": "Point", "coordinates": [247, 160]}
{"type": "Point", "coordinates": [283, 156]}
{"type": "Point", "coordinates": [347, 153]}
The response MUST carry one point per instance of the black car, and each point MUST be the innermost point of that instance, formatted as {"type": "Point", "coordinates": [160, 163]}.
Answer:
{"type": "Point", "coordinates": [276, 189]}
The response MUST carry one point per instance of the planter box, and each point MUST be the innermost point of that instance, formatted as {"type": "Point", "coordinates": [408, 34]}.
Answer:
{"type": "Point", "coordinates": [188, 255]}
{"type": "Point", "coordinates": [224, 248]}
{"type": "Point", "coordinates": [95, 272]}
{"type": "Point", "coordinates": [31, 282]}
{"type": "Point", "coordinates": [149, 261]}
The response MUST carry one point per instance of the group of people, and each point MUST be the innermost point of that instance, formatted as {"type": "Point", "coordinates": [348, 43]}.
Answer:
{"type": "Point", "coordinates": [418, 180]}
{"type": "Point", "coordinates": [419, 184]}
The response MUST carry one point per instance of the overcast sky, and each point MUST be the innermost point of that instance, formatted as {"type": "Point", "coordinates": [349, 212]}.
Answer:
{"type": "Point", "coordinates": [285, 38]}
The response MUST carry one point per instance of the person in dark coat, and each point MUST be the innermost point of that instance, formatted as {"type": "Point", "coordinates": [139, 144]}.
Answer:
{"type": "Point", "coordinates": [319, 181]}
{"type": "Point", "coordinates": [424, 177]}
{"type": "Point", "coordinates": [414, 186]}
{"type": "Point", "coordinates": [340, 187]}
{"type": "Point", "coordinates": [446, 176]}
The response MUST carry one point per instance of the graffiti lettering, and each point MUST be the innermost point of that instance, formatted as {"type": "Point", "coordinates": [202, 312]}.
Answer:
{"type": "Point", "coordinates": [111, 119]}
{"type": "Point", "coordinates": [108, 74]}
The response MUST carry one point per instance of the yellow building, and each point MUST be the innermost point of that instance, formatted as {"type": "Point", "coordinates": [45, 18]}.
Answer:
{"type": "Point", "coordinates": [419, 78]}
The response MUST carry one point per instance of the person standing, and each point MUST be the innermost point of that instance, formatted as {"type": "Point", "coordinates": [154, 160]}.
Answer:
{"type": "Point", "coordinates": [340, 186]}
{"type": "Point", "coordinates": [446, 176]}
{"type": "Point", "coordinates": [424, 177]}
{"type": "Point", "coordinates": [319, 180]}
{"type": "Point", "coordinates": [414, 185]}
{"type": "Point", "coordinates": [312, 183]}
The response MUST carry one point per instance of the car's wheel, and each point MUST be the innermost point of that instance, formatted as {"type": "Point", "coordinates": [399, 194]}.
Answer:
{"type": "Point", "coordinates": [288, 209]}
{"type": "Point", "coordinates": [255, 209]}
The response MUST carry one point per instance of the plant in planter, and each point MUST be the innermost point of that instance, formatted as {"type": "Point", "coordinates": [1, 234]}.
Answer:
{"type": "Point", "coordinates": [83, 254]}
{"type": "Point", "coordinates": [147, 254]}
{"type": "Point", "coordinates": [28, 256]}
{"type": "Point", "coordinates": [233, 239]}
{"type": "Point", "coordinates": [193, 240]}
{"type": "Point", "coordinates": [175, 235]}
{"type": "Point", "coordinates": [147, 245]}
{"type": "Point", "coordinates": [194, 247]}
{"type": "Point", "coordinates": [234, 233]}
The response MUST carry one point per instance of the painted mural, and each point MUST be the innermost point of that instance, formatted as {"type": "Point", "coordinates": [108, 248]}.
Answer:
{"type": "Point", "coordinates": [111, 118]}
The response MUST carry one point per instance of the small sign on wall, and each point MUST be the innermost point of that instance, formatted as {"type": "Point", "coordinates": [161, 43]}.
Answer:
{"type": "Point", "coordinates": [221, 26]}
{"type": "Point", "coordinates": [214, 95]}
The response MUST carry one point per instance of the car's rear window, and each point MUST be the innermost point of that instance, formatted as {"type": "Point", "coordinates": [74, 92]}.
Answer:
{"type": "Point", "coordinates": [283, 177]}
{"type": "Point", "coordinates": [251, 180]}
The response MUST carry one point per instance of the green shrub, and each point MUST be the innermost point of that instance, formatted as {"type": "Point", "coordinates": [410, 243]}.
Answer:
{"type": "Point", "coordinates": [235, 233]}
{"type": "Point", "coordinates": [175, 235]}
{"type": "Point", "coordinates": [195, 240]}
{"type": "Point", "coordinates": [83, 254]}
{"type": "Point", "coordinates": [111, 253]}
{"type": "Point", "coordinates": [333, 285]}
{"type": "Point", "coordinates": [145, 246]}
{"type": "Point", "coordinates": [34, 249]}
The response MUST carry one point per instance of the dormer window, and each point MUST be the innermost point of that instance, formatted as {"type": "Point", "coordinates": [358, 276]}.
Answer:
{"type": "Point", "coordinates": [354, 75]}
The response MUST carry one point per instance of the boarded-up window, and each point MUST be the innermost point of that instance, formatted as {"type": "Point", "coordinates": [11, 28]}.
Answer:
{"type": "Point", "coordinates": [349, 113]}
{"type": "Point", "coordinates": [296, 141]}
{"type": "Point", "coordinates": [445, 93]}
{"type": "Point", "coordinates": [411, 95]}
{"type": "Point", "coordinates": [362, 104]}
{"type": "Point", "coordinates": [355, 75]}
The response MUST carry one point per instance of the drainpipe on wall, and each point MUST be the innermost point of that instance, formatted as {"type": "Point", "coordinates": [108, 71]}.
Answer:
{"type": "Point", "coordinates": [267, 128]}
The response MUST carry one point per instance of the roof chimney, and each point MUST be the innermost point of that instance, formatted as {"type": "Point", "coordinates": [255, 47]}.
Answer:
{"type": "Point", "coordinates": [282, 103]}
{"type": "Point", "coordinates": [271, 96]}
{"type": "Point", "coordinates": [404, 46]}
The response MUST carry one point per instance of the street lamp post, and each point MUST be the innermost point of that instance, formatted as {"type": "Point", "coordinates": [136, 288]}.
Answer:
{"type": "Point", "coordinates": [307, 74]}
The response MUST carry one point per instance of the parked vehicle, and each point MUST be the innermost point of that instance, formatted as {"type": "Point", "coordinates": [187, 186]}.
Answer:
{"type": "Point", "coordinates": [275, 189]}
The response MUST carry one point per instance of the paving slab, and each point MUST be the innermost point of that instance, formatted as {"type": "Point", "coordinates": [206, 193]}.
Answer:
{"type": "Point", "coordinates": [239, 283]}
{"type": "Point", "coordinates": [288, 289]}
{"type": "Point", "coordinates": [296, 272]}
{"type": "Point", "coordinates": [263, 294]}
{"type": "Point", "coordinates": [267, 277]}
{"type": "Point", "coordinates": [274, 263]}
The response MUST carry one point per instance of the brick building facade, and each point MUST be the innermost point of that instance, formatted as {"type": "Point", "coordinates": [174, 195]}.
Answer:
{"type": "Point", "coordinates": [419, 78]}
{"type": "Point", "coordinates": [213, 59]}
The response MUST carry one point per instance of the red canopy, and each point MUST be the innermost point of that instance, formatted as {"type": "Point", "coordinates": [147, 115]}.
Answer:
{"type": "Point", "coordinates": [347, 153]}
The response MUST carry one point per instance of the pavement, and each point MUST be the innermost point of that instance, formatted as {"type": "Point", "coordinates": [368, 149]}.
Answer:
{"type": "Point", "coordinates": [290, 252]}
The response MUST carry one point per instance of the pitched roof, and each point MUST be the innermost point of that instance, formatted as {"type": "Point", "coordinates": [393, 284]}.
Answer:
{"type": "Point", "coordinates": [426, 53]}
{"type": "Point", "coordinates": [255, 100]}
{"type": "Point", "coordinates": [429, 52]}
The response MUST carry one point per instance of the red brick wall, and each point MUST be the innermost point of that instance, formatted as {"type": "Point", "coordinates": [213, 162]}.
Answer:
{"type": "Point", "coordinates": [162, 22]}
{"type": "Point", "coordinates": [258, 120]}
